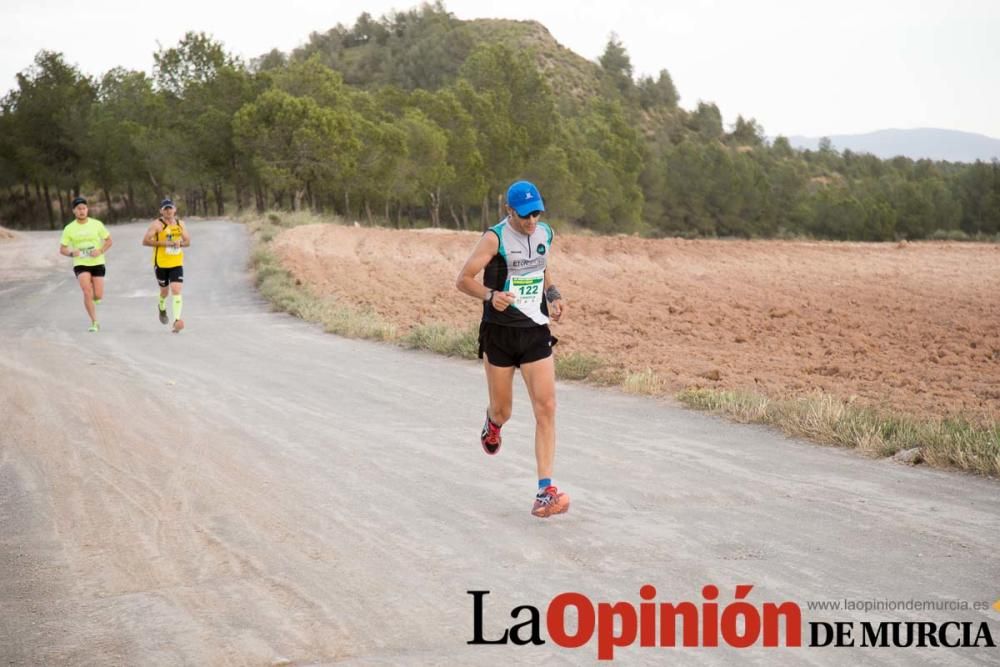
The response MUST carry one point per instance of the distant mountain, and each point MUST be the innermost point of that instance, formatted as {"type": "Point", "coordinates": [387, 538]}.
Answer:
{"type": "Point", "coordinates": [930, 143]}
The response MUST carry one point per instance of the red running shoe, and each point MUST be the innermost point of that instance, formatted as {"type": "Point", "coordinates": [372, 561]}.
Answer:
{"type": "Point", "coordinates": [549, 502]}
{"type": "Point", "coordinates": [490, 437]}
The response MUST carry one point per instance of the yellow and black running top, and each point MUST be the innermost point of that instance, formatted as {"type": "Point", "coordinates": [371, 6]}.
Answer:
{"type": "Point", "coordinates": [168, 257]}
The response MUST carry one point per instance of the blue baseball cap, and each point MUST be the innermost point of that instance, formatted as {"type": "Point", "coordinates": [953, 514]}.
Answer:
{"type": "Point", "coordinates": [167, 203]}
{"type": "Point", "coordinates": [77, 201]}
{"type": "Point", "coordinates": [524, 198]}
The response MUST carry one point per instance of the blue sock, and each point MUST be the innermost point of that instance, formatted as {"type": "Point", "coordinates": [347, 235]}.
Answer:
{"type": "Point", "coordinates": [544, 483]}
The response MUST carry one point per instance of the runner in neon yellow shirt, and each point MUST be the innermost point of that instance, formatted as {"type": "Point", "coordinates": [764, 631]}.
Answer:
{"type": "Point", "coordinates": [86, 240]}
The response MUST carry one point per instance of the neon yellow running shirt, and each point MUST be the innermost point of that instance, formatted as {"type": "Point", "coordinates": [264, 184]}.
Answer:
{"type": "Point", "coordinates": [85, 236]}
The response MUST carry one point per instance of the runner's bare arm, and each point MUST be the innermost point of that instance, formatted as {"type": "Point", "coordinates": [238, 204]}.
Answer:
{"type": "Point", "coordinates": [106, 246]}
{"type": "Point", "coordinates": [185, 236]}
{"type": "Point", "coordinates": [485, 249]}
{"type": "Point", "coordinates": [150, 237]}
{"type": "Point", "coordinates": [480, 257]}
{"type": "Point", "coordinates": [66, 250]}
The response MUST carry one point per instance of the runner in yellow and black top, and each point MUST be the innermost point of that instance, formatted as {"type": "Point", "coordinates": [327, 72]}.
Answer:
{"type": "Point", "coordinates": [86, 240]}
{"type": "Point", "coordinates": [168, 235]}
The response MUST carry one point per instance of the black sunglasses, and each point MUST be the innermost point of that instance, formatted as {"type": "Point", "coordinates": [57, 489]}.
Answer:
{"type": "Point", "coordinates": [533, 214]}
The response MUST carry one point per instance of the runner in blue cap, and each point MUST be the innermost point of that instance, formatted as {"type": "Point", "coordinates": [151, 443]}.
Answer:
{"type": "Point", "coordinates": [519, 298]}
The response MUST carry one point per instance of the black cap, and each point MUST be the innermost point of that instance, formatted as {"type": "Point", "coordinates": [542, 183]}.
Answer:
{"type": "Point", "coordinates": [167, 203]}
{"type": "Point", "coordinates": [77, 201]}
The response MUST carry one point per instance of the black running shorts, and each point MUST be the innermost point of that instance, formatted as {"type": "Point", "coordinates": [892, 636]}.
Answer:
{"type": "Point", "coordinates": [172, 275]}
{"type": "Point", "coordinates": [94, 271]}
{"type": "Point", "coordinates": [512, 346]}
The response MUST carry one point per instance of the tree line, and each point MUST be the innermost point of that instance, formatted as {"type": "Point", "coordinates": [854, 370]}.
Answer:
{"type": "Point", "coordinates": [420, 118]}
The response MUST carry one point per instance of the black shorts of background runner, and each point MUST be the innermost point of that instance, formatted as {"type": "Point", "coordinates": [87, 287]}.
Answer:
{"type": "Point", "coordinates": [172, 275]}
{"type": "Point", "coordinates": [512, 346]}
{"type": "Point", "coordinates": [97, 271]}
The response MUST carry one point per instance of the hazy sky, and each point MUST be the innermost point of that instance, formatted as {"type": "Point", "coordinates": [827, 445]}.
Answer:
{"type": "Point", "coordinates": [797, 66]}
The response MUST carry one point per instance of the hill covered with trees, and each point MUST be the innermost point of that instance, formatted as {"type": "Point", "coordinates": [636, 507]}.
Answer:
{"type": "Point", "coordinates": [418, 117]}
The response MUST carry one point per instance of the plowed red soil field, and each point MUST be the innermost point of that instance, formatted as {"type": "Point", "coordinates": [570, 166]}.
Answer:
{"type": "Point", "coordinates": [913, 327]}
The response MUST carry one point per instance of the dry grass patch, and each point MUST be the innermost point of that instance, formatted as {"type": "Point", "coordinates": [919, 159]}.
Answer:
{"type": "Point", "coordinates": [644, 382]}
{"type": "Point", "coordinates": [947, 443]}
{"type": "Point", "coordinates": [577, 365]}
{"type": "Point", "coordinates": [443, 339]}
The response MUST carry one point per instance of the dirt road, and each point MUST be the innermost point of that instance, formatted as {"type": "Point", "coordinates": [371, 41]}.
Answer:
{"type": "Point", "coordinates": [255, 492]}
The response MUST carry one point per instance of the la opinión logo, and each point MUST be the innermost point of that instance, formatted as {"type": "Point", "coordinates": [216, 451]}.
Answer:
{"type": "Point", "coordinates": [709, 623]}
{"type": "Point", "coordinates": [613, 625]}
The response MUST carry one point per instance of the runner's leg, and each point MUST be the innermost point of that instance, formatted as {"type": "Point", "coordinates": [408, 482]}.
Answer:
{"type": "Point", "coordinates": [540, 379]}
{"type": "Point", "coordinates": [175, 289]}
{"type": "Point", "coordinates": [500, 383]}
{"type": "Point", "coordinates": [87, 287]}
